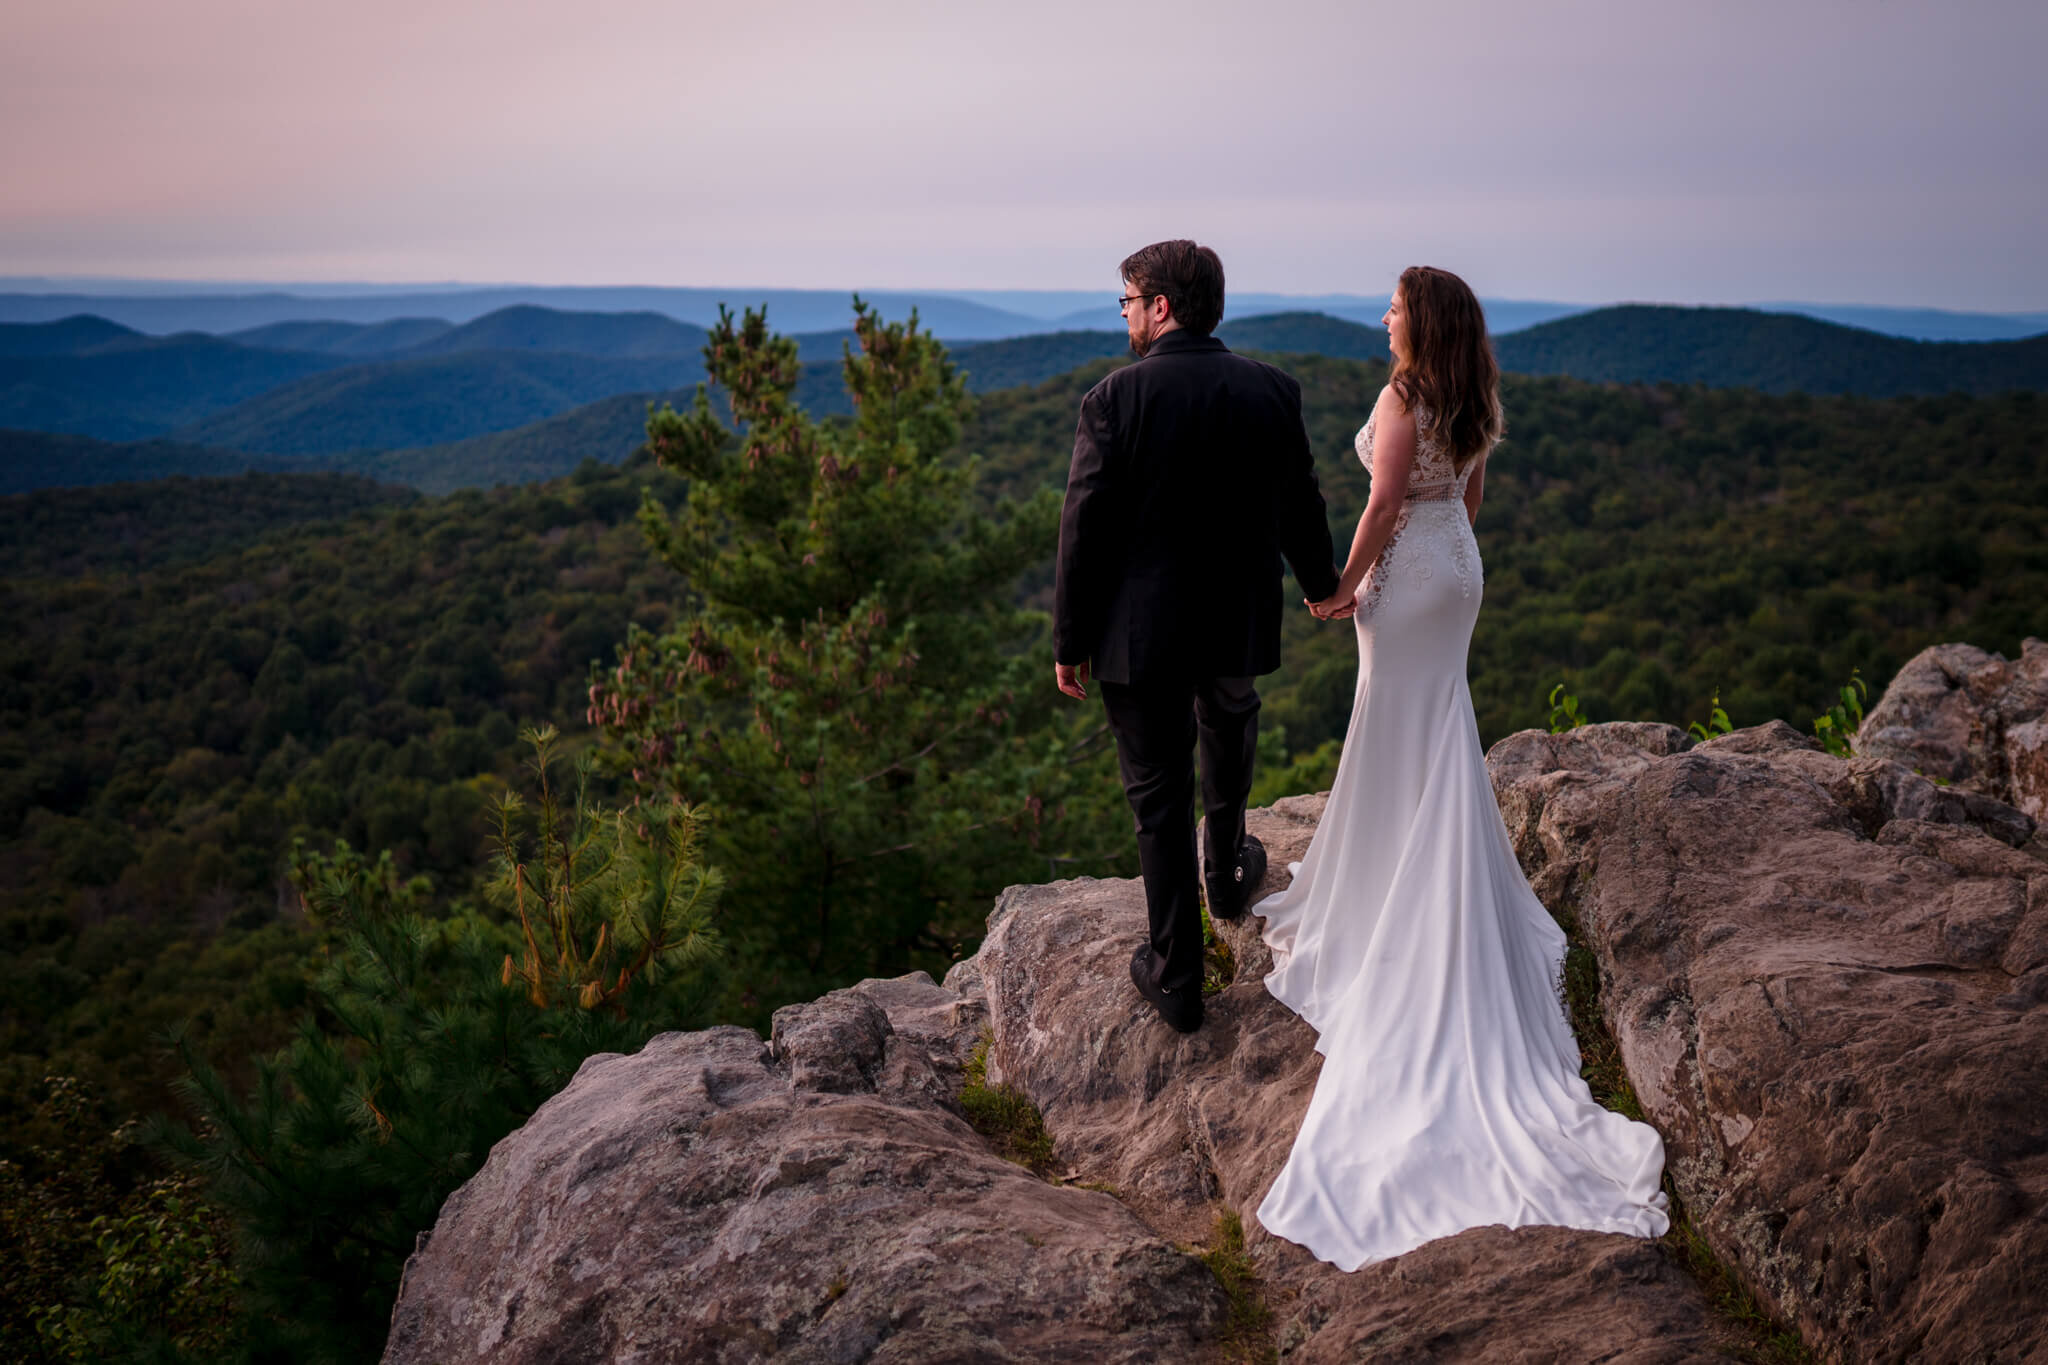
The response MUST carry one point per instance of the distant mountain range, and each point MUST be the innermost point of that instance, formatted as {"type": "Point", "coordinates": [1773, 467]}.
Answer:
{"type": "Point", "coordinates": [163, 307]}
{"type": "Point", "coordinates": [527, 392]}
{"type": "Point", "coordinates": [127, 386]}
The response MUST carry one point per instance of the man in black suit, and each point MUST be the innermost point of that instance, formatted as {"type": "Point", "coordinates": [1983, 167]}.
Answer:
{"type": "Point", "coordinates": [1191, 477]}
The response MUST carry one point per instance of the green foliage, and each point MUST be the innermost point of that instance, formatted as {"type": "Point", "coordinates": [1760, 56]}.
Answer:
{"type": "Point", "coordinates": [1282, 774]}
{"type": "Point", "coordinates": [427, 1047]}
{"type": "Point", "coordinates": [629, 884]}
{"type": "Point", "coordinates": [163, 1281]}
{"type": "Point", "coordinates": [1248, 1333]}
{"type": "Point", "coordinates": [1306, 334]}
{"type": "Point", "coordinates": [125, 528]}
{"type": "Point", "coordinates": [1773, 352]}
{"type": "Point", "coordinates": [106, 1257]}
{"type": "Point", "coordinates": [1836, 728]}
{"type": "Point", "coordinates": [1219, 962]}
{"type": "Point", "coordinates": [173, 723]}
{"type": "Point", "coordinates": [138, 387]}
{"type": "Point", "coordinates": [32, 460]}
{"type": "Point", "coordinates": [426, 399]}
{"type": "Point", "coordinates": [853, 685]}
{"type": "Point", "coordinates": [1564, 711]}
{"type": "Point", "coordinates": [1716, 723]}
{"type": "Point", "coordinates": [1004, 1115]}
{"type": "Point", "coordinates": [1648, 545]}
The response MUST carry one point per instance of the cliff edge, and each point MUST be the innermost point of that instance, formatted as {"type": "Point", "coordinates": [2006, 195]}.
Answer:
{"type": "Point", "coordinates": [1826, 980]}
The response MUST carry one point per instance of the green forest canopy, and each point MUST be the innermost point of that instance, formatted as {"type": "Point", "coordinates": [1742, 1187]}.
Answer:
{"type": "Point", "coordinates": [176, 715]}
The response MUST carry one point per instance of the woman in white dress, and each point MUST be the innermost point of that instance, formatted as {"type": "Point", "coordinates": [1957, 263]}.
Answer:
{"type": "Point", "coordinates": [1450, 1094]}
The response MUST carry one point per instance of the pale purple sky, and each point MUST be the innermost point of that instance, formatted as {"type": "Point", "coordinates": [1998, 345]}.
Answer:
{"type": "Point", "coordinates": [1873, 151]}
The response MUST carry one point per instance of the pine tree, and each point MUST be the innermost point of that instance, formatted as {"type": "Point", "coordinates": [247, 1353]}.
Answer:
{"type": "Point", "coordinates": [437, 1033]}
{"type": "Point", "coordinates": [853, 688]}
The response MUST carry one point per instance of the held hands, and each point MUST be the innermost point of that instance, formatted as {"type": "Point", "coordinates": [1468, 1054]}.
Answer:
{"type": "Point", "coordinates": [1070, 679]}
{"type": "Point", "coordinates": [1335, 607]}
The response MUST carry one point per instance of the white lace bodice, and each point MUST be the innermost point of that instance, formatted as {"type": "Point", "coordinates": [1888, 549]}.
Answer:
{"type": "Point", "coordinates": [1433, 529]}
{"type": "Point", "coordinates": [1435, 476]}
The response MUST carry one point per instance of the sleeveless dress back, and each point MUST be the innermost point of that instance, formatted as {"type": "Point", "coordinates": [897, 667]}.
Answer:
{"type": "Point", "coordinates": [1450, 1094]}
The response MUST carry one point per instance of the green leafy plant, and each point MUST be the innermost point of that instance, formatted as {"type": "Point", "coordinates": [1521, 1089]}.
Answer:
{"type": "Point", "coordinates": [1248, 1333]}
{"type": "Point", "coordinates": [1004, 1115]}
{"type": "Point", "coordinates": [1564, 711]}
{"type": "Point", "coordinates": [437, 1030]}
{"type": "Point", "coordinates": [1716, 723]}
{"type": "Point", "coordinates": [163, 1280]}
{"type": "Point", "coordinates": [1836, 728]}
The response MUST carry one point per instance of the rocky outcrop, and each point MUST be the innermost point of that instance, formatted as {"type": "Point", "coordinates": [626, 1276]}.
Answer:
{"type": "Point", "coordinates": [1829, 983]}
{"type": "Point", "coordinates": [1828, 980]}
{"type": "Point", "coordinates": [1180, 1125]}
{"type": "Point", "coordinates": [712, 1199]}
{"type": "Point", "coordinates": [1962, 715]}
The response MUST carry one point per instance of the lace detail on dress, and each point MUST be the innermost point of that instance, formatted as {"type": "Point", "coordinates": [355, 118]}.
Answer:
{"type": "Point", "coordinates": [1436, 492]}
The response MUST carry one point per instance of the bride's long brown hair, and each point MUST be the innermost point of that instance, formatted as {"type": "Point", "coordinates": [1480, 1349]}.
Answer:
{"type": "Point", "coordinates": [1450, 369]}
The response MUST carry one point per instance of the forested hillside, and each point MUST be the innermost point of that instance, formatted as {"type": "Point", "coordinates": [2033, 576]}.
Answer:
{"type": "Point", "coordinates": [204, 671]}
{"type": "Point", "coordinates": [1774, 352]}
{"type": "Point", "coordinates": [43, 459]}
{"type": "Point", "coordinates": [1651, 546]}
{"type": "Point", "coordinates": [132, 388]}
{"type": "Point", "coordinates": [360, 340]}
{"type": "Point", "coordinates": [128, 528]}
{"type": "Point", "coordinates": [426, 399]}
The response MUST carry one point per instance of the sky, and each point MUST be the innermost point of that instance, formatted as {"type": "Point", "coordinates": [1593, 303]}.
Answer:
{"type": "Point", "coordinates": [1701, 151]}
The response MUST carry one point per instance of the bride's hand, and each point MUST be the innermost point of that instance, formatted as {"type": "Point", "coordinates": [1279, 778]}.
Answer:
{"type": "Point", "coordinates": [1336, 607]}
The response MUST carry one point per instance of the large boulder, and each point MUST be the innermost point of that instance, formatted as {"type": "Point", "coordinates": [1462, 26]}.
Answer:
{"type": "Point", "coordinates": [1828, 980]}
{"type": "Point", "coordinates": [1829, 983]}
{"type": "Point", "coordinates": [1182, 1126]}
{"type": "Point", "coordinates": [1962, 715]}
{"type": "Point", "coordinates": [712, 1199]}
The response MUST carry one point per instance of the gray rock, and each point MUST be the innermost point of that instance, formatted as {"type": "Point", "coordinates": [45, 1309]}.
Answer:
{"type": "Point", "coordinates": [1181, 1125]}
{"type": "Point", "coordinates": [710, 1199]}
{"type": "Point", "coordinates": [1827, 980]}
{"type": "Point", "coordinates": [1976, 719]}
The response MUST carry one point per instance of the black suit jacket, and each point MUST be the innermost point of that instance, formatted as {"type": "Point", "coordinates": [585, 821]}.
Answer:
{"type": "Point", "coordinates": [1192, 476]}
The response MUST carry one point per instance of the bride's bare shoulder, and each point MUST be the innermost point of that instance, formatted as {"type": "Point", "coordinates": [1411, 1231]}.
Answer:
{"type": "Point", "coordinates": [1391, 413]}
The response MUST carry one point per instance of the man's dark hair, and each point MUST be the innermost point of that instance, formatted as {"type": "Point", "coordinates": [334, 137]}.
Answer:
{"type": "Point", "coordinates": [1190, 276]}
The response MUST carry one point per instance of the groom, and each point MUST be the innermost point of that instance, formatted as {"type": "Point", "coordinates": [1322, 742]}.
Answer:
{"type": "Point", "coordinates": [1191, 477]}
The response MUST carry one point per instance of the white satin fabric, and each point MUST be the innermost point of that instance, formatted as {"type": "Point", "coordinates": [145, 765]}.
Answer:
{"type": "Point", "coordinates": [1450, 1094]}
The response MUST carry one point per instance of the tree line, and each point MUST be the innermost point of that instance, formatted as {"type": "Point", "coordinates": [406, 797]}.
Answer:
{"type": "Point", "coordinates": [254, 794]}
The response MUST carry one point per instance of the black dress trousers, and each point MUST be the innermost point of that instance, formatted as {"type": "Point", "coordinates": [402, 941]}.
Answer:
{"type": "Point", "coordinates": [1158, 728]}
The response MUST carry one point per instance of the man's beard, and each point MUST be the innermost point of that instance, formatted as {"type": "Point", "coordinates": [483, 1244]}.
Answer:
{"type": "Point", "coordinates": [1141, 342]}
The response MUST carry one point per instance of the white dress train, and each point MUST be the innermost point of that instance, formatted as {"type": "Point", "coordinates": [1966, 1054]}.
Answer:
{"type": "Point", "coordinates": [1450, 1094]}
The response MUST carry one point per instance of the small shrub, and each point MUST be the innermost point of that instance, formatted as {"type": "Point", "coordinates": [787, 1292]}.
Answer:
{"type": "Point", "coordinates": [1564, 711]}
{"type": "Point", "coordinates": [1837, 727]}
{"type": "Point", "coordinates": [1005, 1116]}
{"type": "Point", "coordinates": [1248, 1333]}
{"type": "Point", "coordinates": [1219, 963]}
{"type": "Point", "coordinates": [1717, 722]}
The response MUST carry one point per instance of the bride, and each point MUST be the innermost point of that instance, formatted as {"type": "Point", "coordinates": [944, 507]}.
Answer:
{"type": "Point", "coordinates": [1450, 1094]}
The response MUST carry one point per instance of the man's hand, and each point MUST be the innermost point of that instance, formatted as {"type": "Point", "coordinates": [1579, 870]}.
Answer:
{"type": "Point", "coordinates": [1334, 608]}
{"type": "Point", "coordinates": [1070, 678]}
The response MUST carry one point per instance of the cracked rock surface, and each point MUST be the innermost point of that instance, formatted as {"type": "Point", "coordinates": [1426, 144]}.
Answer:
{"type": "Point", "coordinates": [1183, 1125]}
{"type": "Point", "coordinates": [1829, 983]}
{"type": "Point", "coordinates": [712, 1199]}
{"type": "Point", "coordinates": [1960, 714]}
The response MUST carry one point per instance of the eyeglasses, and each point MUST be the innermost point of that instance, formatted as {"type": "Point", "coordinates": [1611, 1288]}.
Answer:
{"type": "Point", "coordinates": [1127, 300]}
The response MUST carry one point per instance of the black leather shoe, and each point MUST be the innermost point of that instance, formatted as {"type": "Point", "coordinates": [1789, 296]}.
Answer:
{"type": "Point", "coordinates": [1229, 896]}
{"type": "Point", "coordinates": [1182, 1008]}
